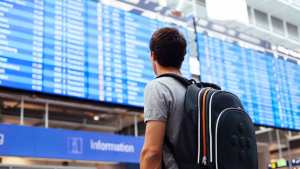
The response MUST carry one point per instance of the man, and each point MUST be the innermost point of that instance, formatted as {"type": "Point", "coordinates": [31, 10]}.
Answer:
{"type": "Point", "coordinates": [164, 99]}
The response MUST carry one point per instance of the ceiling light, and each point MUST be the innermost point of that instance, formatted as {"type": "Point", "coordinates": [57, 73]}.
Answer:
{"type": "Point", "coordinates": [96, 118]}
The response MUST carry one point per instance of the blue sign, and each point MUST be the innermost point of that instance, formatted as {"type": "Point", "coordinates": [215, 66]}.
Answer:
{"type": "Point", "coordinates": [66, 144]}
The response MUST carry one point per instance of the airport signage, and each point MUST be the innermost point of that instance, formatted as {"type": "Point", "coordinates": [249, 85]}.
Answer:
{"type": "Point", "coordinates": [34, 142]}
{"type": "Point", "coordinates": [296, 162]}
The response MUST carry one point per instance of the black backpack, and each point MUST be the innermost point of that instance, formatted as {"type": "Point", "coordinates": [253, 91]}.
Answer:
{"type": "Point", "coordinates": [215, 131]}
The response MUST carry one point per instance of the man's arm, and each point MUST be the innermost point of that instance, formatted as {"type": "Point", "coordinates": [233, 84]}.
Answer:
{"type": "Point", "coordinates": [151, 155]}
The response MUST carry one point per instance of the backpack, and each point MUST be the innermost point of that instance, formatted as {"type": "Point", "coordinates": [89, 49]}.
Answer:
{"type": "Point", "coordinates": [215, 131]}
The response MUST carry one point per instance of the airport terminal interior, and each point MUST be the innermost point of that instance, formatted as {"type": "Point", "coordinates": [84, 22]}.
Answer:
{"type": "Point", "coordinates": [73, 73]}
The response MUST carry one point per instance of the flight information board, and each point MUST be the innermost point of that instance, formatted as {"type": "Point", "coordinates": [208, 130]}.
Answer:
{"type": "Point", "coordinates": [267, 84]}
{"type": "Point", "coordinates": [80, 48]}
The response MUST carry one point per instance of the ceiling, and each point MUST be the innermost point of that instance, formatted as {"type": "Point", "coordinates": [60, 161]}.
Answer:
{"type": "Point", "coordinates": [285, 9]}
{"type": "Point", "coordinates": [288, 10]}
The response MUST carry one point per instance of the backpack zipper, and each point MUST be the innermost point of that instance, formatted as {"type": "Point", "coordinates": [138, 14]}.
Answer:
{"type": "Point", "coordinates": [199, 126]}
{"type": "Point", "coordinates": [210, 127]}
{"type": "Point", "coordinates": [204, 158]}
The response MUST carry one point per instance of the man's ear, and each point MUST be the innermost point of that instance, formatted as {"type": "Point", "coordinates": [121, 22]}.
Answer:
{"type": "Point", "coordinates": [153, 56]}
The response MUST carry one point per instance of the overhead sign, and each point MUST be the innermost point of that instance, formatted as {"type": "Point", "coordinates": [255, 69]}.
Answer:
{"type": "Point", "coordinates": [66, 144]}
{"type": "Point", "coordinates": [89, 56]}
{"type": "Point", "coordinates": [266, 82]}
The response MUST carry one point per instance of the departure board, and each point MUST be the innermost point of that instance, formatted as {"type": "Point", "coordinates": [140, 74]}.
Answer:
{"type": "Point", "coordinates": [79, 48]}
{"type": "Point", "coordinates": [289, 91]}
{"type": "Point", "coordinates": [267, 84]}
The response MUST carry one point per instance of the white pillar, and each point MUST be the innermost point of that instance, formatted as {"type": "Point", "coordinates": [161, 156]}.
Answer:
{"type": "Point", "coordinates": [278, 144]}
{"type": "Point", "coordinates": [46, 115]}
{"type": "Point", "coordinates": [136, 130]}
{"type": "Point", "coordinates": [22, 111]}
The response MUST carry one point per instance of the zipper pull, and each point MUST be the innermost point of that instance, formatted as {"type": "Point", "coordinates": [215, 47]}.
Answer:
{"type": "Point", "coordinates": [204, 160]}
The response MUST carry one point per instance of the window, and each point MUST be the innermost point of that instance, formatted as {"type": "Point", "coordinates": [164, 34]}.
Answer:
{"type": "Point", "coordinates": [292, 31]}
{"type": "Point", "coordinates": [261, 19]}
{"type": "Point", "coordinates": [277, 25]}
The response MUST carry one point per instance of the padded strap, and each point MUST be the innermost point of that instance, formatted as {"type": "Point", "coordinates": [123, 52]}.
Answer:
{"type": "Point", "coordinates": [185, 82]}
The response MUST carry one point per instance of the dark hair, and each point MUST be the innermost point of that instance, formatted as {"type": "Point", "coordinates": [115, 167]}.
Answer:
{"type": "Point", "coordinates": [169, 46]}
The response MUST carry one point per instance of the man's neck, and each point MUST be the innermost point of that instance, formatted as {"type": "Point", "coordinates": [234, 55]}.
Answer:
{"type": "Point", "coordinates": [164, 70]}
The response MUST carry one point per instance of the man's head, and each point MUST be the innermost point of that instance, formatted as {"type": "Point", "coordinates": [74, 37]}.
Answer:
{"type": "Point", "coordinates": [168, 47]}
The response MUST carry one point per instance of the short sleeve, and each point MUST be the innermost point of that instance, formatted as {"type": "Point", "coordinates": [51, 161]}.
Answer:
{"type": "Point", "coordinates": [157, 99]}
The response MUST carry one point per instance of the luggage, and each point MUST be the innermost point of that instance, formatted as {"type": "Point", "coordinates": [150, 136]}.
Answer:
{"type": "Point", "coordinates": [215, 131]}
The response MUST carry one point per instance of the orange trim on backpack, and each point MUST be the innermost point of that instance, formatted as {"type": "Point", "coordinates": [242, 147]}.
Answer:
{"type": "Point", "coordinates": [203, 121]}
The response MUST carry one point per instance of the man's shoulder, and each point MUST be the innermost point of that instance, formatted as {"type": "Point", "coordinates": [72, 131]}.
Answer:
{"type": "Point", "coordinates": [166, 82]}
{"type": "Point", "coordinates": [157, 99]}
{"type": "Point", "coordinates": [157, 85]}
{"type": "Point", "coordinates": [165, 85]}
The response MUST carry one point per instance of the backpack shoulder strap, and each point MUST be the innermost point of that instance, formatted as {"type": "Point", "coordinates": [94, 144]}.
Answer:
{"type": "Point", "coordinates": [185, 82]}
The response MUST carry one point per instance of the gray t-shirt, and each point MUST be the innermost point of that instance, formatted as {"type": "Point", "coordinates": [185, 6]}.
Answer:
{"type": "Point", "coordinates": [164, 101]}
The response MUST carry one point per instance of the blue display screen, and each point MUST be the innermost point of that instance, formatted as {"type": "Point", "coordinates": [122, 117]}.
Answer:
{"type": "Point", "coordinates": [268, 85]}
{"type": "Point", "coordinates": [83, 49]}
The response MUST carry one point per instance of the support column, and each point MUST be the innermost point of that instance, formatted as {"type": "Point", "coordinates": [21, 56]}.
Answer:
{"type": "Point", "coordinates": [136, 129]}
{"type": "Point", "coordinates": [279, 144]}
{"type": "Point", "coordinates": [22, 111]}
{"type": "Point", "coordinates": [46, 115]}
{"type": "Point", "coordinates": [289, 149]}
